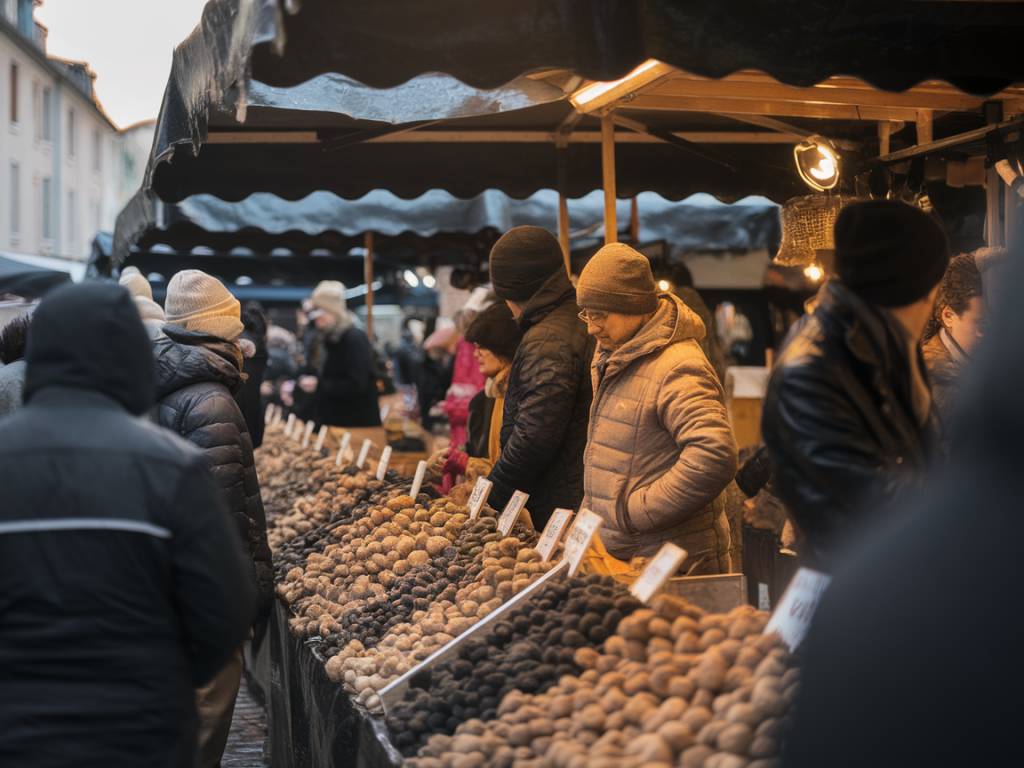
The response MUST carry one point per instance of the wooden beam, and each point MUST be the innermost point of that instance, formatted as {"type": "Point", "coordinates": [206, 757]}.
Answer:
{"type": "Point", "coordinates": [769, 107]}
{"type": "Point", "coordinates": [579, 137]}
{"type": "Point", "coordinates": [994, 233]}
{"type": "Point", "coordinates": [262, 137]}
{"type": "Point", "coordinates": [611, 233]}
{"type": "Point", "coordinates": [634, 221]}
{"type": "Point", "coordinates": [595, 96]}
{"type": "Point", "coordinates": [839, 92]}
{"type": "Point", "coordinates": [771, 124]}
{"type": "Point", "coordinates": [949, 142]}
{"type": "Point", "coordinates": [368, 277]}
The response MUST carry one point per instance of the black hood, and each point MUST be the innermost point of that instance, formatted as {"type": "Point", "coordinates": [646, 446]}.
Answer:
{"type": "Point", "coordinates": [90, 336]}
{"type": "Point", "coordinates": [554, 292]}
{"type": "Point", "coordinates": [185, 357]}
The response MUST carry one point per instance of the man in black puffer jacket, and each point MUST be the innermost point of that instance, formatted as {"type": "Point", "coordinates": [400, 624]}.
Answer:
{"type": "Point", "coordinates": [123, 584]}
{"type": "Point", "coordinates": [547, 405]}
{"type": "Point", "coordinates": [198, 370]}
{"type": "Point", "coordinates": [848, 417]}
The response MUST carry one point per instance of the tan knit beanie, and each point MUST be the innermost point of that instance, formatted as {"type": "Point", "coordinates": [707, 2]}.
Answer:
{"type": "Point", "coordinates": [329, 295]}
{"type": "Point", "coordinates": [618, 279]}
{"type": "Point", "coordinates": [135, 283]}
{"type": "Point", "coordinates": [199, 302]}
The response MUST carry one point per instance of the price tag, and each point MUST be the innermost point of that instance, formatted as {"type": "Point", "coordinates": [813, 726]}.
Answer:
{"type": "Point", "coordinates": [363, 453]}
{"type": "Point", "coordinates": [552, 533]}
{"type": "Point", "coordinates": [796, 608]}
{"type": "Point", "coordinates": [659, 569]}
{"type": "Point", "coordinates": [478, 498]}
{"type": "Point", "coordinates": [384, 413]}
{"type": "Point", "coordinates": [346, 438]}
{"type": "Point", "coordinates": [321, 436]}
{"type": "Point", "coordinates": [268, 415]}
{"type": "Point", "coordinates": [578, 541]}
{"type": "Point", "coordinates": [510, 514]}
{"type": "Point", "coordinates": [382, 465]}
{"type": "Point", "coordinates": [297, 430]}
{"type": "Point", "coordinates": [290, 425]}
{"type": "Point", "coordinates": [310, 426]}
{"type": "Point", "coordinates": [277, 414]}
{"type": "Point", "coordinates": [417, 481]}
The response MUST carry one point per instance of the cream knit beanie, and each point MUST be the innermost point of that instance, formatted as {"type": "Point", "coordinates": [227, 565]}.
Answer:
{"type": "Point", "coordinates": [135, 283]}
{"type": "Point", "coordinates": [199, 302]}
{"type": "Point", "coordinates": [329, 295]}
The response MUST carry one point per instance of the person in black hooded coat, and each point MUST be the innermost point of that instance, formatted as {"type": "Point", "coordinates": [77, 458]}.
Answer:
{"type": "Point", "coordinates": [547, 404]}
{"type": "Point", "coordinates": [123, 584]}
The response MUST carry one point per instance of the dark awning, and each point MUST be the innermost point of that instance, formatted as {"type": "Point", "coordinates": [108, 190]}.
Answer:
{"type": "Point", "coordinates": [28, 281]}
{"type": "Point", "coordinates": [266, 224]}
{"type": "Point", "coordinates": [892, 45]}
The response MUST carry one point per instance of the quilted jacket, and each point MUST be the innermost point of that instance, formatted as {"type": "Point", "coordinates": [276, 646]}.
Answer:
{"type": "Point", "coordinates": [660, 449]}
{"type": "Point", "coordinates": [196, 378]}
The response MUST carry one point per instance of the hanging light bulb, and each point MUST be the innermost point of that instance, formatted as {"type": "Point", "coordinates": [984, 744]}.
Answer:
{"type": "Point", "coordinates": [664, 286]}
{"type": "Point", "coordinates": [814, 273]}
{"type": "Point", "coordinates": [429, 280]}
{"type": "Point", "coordinates": [411, 278]}
{"type": "Point", "coordinates": [817, 162]}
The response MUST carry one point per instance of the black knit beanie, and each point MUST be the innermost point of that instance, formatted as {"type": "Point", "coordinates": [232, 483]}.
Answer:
{"type": "Point", "coordinates": [889, 253]}
{"type": "Point", "coordinates": [522, 261]}
{"type": "Point", "coordinates": [495, 330]}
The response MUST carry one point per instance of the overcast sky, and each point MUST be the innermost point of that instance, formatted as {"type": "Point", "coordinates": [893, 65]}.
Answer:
{"type": "Point", "coordinates": [128, 44]}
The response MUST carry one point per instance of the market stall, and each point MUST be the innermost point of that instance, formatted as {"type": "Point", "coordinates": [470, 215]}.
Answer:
{"type": "Point", "coordinates": [434, 629]}
{"type": "Point", "coordinates": [422, 629]}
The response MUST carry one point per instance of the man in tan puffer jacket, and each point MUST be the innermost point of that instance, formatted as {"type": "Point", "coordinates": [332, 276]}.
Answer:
{"type": "Point", "coordinates": [660, 448]}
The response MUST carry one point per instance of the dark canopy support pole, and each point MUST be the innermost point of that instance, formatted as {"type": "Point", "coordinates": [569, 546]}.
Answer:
{"type": "Point", "coordinates": [368, 277]}
{"type": "Point", "coordinates": [611, 233]}
{"type": "Point", "coordinates": [563, 205]}
{"type": "Point", "coordinates": [993, 186]}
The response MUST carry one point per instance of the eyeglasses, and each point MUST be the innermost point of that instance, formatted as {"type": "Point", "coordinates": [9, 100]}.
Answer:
{"type": "Point", "coordinates": [594, 317]}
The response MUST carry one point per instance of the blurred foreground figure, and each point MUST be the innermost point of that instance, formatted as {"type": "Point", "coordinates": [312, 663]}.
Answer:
{"type": "Point", "coordinates": [122, 582]}
{"type": "Point", "coordinates": [848, 417]}
{"type": "Point", "coordinates": [913, 658]}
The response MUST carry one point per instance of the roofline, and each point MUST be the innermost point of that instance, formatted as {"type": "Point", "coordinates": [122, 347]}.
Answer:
{"type": "Point", "coordinates": [28, 47]}
{"type": "Point", "coordinates": [139, 124]}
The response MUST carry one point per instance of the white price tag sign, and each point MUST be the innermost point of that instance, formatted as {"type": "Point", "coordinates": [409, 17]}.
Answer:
{"type": "Point", "coordinates": [417, 481]}
{"type": "Point", "coordinates": [582, 533]}
{"type": "Point", "coordinates": [277, 414]}
{"type": "Point", "coordinates": [384, 413]}
{"type": "Point", "coordinates": [297, 430]}
{"type": "Point", "coordinates": [552, 533]}
{"type": "Point", "coordinates": [659, 569]}
{"type": "Point", "coordinates": [289, 425]}
{"type": "Point", "coordinates": [346, 438]}
{"type": "Point", "coordinates": [268, 415]}
{"type": "Point", "coordinates": [363, 453]}
{"type": "Point", "coordinates": [796, 608]}
{"type": "Point", "coordinates": [307, 433]}
{"type": "Point", "coordinates": [321, 436]}
{"type": "Point", "coordinates": [510, 514]}
{"type": "Point", "coordinates": [382, 465]}
{"type": "Point", "coordinates": [478, 498]}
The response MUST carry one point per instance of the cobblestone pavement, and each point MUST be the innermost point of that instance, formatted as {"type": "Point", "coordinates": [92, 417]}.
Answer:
{"type": "Point", "coordinates": [248, 738]}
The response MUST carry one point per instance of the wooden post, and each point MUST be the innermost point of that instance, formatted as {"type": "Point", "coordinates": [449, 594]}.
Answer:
{"type": "Point", "coordinates": [611, 233]}
{"type": "Point", "coordinates": [924, 126]}
{"type": "Point", "coordinates": [634, 221]}
{"type": "Point", "coordinates": [993, 111]}
{"type": "Point", "coordinates": [563, 207]}
{"type": "Point", "coordinates": [368, 277]}
{"type": "Point", "coordinates": [884, 135]}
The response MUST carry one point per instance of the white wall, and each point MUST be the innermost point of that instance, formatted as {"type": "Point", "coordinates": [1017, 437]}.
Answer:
{"type": "Point", "coordinates": [85, 185]}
